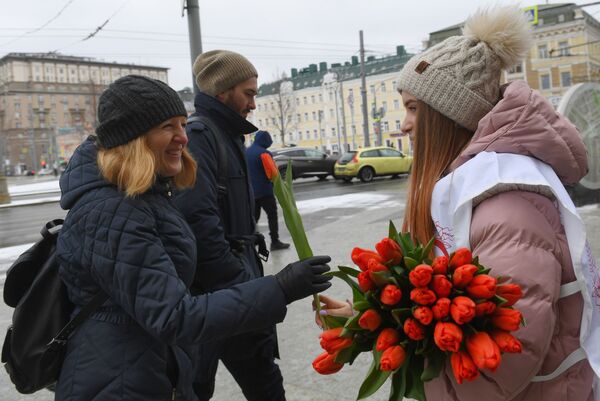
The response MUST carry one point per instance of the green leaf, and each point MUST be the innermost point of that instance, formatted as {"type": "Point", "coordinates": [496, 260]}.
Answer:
{"type": "Point", "coordinates": [339, 274]}
{"type": "Point", "coordinates": [334, 321]}
{"type": "Point", "coordinates": [435, 363]}
{"type": "Point", "coordinates": [349, 271]}
{"type": "Point", "coordinates": [393, 233]}
{"type": "Point", "coordinates": [375, 378]}
{"type": "Point", "coordinates": [414, 384]}
{"type": "Point", "coordinates": [289, 175]}
{"type": "Point", "coordinates": [352, 324]}
{"type": "Point", "coordinates": [383, 277]}
{"type": "Point", "coordinates": [399, 270]}
{"type": "Point", "coordinates": [405, 243]}
{"type": "Point", "coordinates": [400, 314]}
{"type": "Point", "coordinates": [410, 262]}
{"type": "Point", "coordinates": [362, 306]}
{"type": "Point", "coordinates": [344, 355]}
{"type": "Point", "coordinates": [428, 247]}
{"type": "Point", "coordinates": [398, 387]}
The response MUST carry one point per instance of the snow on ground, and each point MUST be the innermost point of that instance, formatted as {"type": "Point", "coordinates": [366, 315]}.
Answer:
{"type": "Point", "coordinates": [34, 188]}
{"type": "Point", "coordinates": [31, 201]}
{"type": "Point", "coordinates": [357, 200]}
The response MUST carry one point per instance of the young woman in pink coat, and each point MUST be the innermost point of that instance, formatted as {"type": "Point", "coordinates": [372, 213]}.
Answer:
{"type": "Point", "coordinates": [457, 113]}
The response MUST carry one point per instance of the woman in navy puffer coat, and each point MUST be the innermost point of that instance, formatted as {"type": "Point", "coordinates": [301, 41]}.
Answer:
{"type": "Point", "coordinates": [123, 236]}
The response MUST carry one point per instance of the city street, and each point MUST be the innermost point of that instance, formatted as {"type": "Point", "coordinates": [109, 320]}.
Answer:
{"type": "Point", "coordinates": [337, 218]}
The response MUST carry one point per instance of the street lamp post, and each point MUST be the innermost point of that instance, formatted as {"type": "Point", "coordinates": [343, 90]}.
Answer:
{"type": "Point", "coordinates": [4, 194]}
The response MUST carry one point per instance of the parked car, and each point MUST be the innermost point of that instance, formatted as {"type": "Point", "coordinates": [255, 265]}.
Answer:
{"type": "Point", "coordinates": [306, 162]}
{"type": "Point", "coordinates": [370, 162]}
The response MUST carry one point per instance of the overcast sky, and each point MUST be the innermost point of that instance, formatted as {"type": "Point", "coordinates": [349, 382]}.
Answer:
{"type": "Point", "coordinates": [275, 35]}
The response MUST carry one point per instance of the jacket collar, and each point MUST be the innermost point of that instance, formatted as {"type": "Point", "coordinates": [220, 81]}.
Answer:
{"type": "Point", "coordinates": [227, 118]}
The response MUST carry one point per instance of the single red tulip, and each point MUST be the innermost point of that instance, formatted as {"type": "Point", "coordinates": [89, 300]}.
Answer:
{"type": "Point", "coordinates": [413, 329]}
{"type": "Point", "coordinates": [463, 367]}
{"type": "Point", "coordinates": [441, 309]}
{"type": "Point", "coordinates": [506, 319]}
{"type": "Point", "coordinates": [447, 336]}
{"type": "Point", "coordinates": [463, 275]}
{"type": "Point", "coordinates": [506, 342]}
{"type": "Point", "coordinates": [482, 286]}
{"type": "Point", "coordinates": [332, 342]}
{"type": "Point", "coordinates": [370, 320]}
{"type": "Point", "coordinates": [325, 364]}
{"type": "Point", "coordinates": [511, 292]}
{"type": "Point", "coordinates": [375, 266]}
{"type": "Point", "coordinates": [423, 314]}
{"type": "Point", "coordinates": [440, 265]}
{"type": "Point", "coordinates": [392, 358]}
{"type": "Point", "coordinates": [390, 251]}
{"type": "Point", "coordinates": [361, 257]}
{"type": "Point", "coordinates": [462, 310]}
{"type": "Point", "coordinates": [269, 166]}
{"type": "Point", "coordinates": [484, 351]}
{"type": "Point", "coordinates": [422, 296]}
{"type": "Point", "coordinates": [461, 257]}
{"type": "Point", "coordinates": [485, 308]}
{"type": "Point", "coordinates": [364, 282]}
{"type": "Point", "coordinates": [441, 285]}
{"type": "Point", "coordinates": [386, 339]}
{"type": "Point", "coordinates": [390, 295]}
{"type": "Point", "coordinates": [420, 276]}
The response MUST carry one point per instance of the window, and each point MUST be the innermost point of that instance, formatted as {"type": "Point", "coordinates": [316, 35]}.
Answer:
{"type": "Point", "coordinates": [396, 104]}
{"type": "Point", "coordinates": [314, 153]}
{"type": "Point", "coordinates": [372, 89]}
{"type": "Point", "coordinates": [315, 134]}
{"type": "Point", "coordinates": [563, 49]}
{"type": "Point", "coordinates": [542, 51]}
{"type": "Point", "coordinates": [394, 85]}
{"type": "Point", "coordinates": [305, 100]}
{"type": "Point", "coordinates": [320, 97]}
{"type": "Point", "coordinates": [299, 135]}
{"type": "Point", "coordinates": [386, 126]}
{"type": "Point", "coordinates": [565, 78]}
{"type": "Point", "coordinates": [298, 118]}
{"type": "Point", "coordinates": [305, 116]}
{"type": "Point", "coordinates": [297, 102]}
{"type": "Point", "coordinates": [331, 114]}
{"type": "Point", "coordinates": [312, 99]}
{"type": "Point", "coordinates": [389, 153]}
{"type": "Point", "coordinates": [314, 116]}
{"type": "Point", "coordinates": [384, 105]}
{"type": "Point", "coordinates": [353, 129]}
{"type": "Point", "coordinates": [369, 153]}
{"type": "Point", "coordinates": [561, 18]}
{"type": "Point", "coordinates": [383, 87]}
{"type": "Point", "coordinates": [545, 81]}
{"type": "Point", "coordinates": [517, 69]}
{"type": "Point", "coordinates": [333, 132]}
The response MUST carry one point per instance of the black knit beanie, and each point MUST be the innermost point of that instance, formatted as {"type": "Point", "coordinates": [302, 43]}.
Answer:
{"type": "Point", "coordinates": [131, 106]}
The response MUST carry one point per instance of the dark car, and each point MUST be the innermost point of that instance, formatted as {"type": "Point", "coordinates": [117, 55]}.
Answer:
{"type": "Point", "coordinates": [306, 162]}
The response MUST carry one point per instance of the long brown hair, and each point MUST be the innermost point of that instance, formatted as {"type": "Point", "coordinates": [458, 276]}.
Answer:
{"type": "Point", "coordinates": [437, 142]}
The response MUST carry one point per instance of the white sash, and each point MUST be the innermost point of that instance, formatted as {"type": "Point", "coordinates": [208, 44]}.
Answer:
{"type": "Point", "coordinates": [451, 208]}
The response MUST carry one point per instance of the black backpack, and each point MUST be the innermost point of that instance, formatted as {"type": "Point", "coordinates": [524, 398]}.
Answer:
{"type": "Point", "coordinates": [35, 343]}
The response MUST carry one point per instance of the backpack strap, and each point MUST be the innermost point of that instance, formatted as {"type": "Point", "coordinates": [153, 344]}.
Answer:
{"type": "Point", "coordinates": [62, 337]}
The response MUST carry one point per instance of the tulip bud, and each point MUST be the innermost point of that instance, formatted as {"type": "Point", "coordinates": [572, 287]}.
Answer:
{"type": "Point", "coordinates": [413, 329]}
{"type": "Point", "coordinates": [441, 309]}
{"type": "Point", "coordinates": [484, 308]}
{"type": "Point", "coordinates": [440, 265]}
{"type": "Point", "coordinates": [463, 275]}
{"type": "Point", "coordinates": [441, 286]}
{"type": "Point", "coordinates": [271, 170]}
{"type": "Point", "coordinates": [511, 292]}
{"type": "Point", "coordinates": [332, 342]}
{"type": "Point", "coordinates": [422, 296]}
{"type": "Point", "coordinates": [390, 251]}
{"type": "Point", "coordinates": [390, 295]}
{"type": "Point", "coordinates": [386, 339]}
{"type": "Point", "coordinates": [423, 314]}
{"type": "Point", "coordinates": [506, 319]}
{"type": "Point", "coordinates": [462, 309]}
{"type": "Point", "coordinates": [506, 342]}
{"type": "Point", "coordinates": [325, 364]}
{"type": "Point", "coordinates": [420, 276]}
{"type": "Point", "coordinates": [392, 358]}
{"type": "Point", "coordinates": [484, 351]}
{"type": "Point", "coordinates": [364, 282]}
{"type": "Point", "coordinates": [447, 336]}
{"type": "Point", "coordinates": [370, 320]}
{"type": "Point", "coordinates": [375, 267]}
{"type": "Point", "coordinates": [462, 256]}
{"type": "Point", "coordinates": [361, 257]}
{"type": "Point", "coordinates": [482, 286]}
{"type": "Point", "coordinates": [463, 367]}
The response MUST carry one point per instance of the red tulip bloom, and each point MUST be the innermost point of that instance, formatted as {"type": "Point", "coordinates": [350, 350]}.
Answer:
{"type": "Point", "coordinates": [463, 367]}
{"type": "Point", "coordinates": [422, 296]}
{"type": "Point", "coordinates": [462, 309]}
{"type": "Point", "coordinates": [463, 275]}
{"type": "Point", "coordinates": [364, 282]}
{"type": "Point", "coordinates": [484, 351]}
{"type": "Point", "coordinates": [386, 339]}
{"type": "Point", "coordinates": [461, 257]}
{"type": "Point", "coordinates": [389, 250]}
{"type": "Point", "coordinates": [332, 342]}
{"type": "Point", "coordinates": [423, 314]}
{"type": "Point", "coordinates": [269, 166]}
{"type": "Point", "coordinates": [485, 308]}
{"type": "Point", "coordinates": [413, 329]}
{"type": "Point", "coordinates": [506, 319]}
{"type": "Point", "coordinates": [447, 336]}
{"type": "Point", "coordinates": [361, 257]}
{"type": "Point", "coordinates": [392, 358]}
{"type": "Point", "coordinates": [506, 342]}
{"type": "Point", "coordinates": [482, 286]}
{"type": "Point", "coordinates": [390, 295]}
{"type": "Point", "coordinates": [441, 309]}
{"type": "Point", "coordinates": [420, 276]}
{"type": "Point", "coordinates": [440, 265]}
{"type": "Point", "coordinates": [441, 285]}
{"type": "Point", "coordinates": [511, 292]}
{"type": "Point", "coordinates": [370, 320]}
{"type": "Point", "coordinates": [325, 364]}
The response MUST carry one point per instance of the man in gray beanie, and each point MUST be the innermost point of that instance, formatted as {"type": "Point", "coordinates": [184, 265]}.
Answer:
{"type": "Point", "coordinates": [220, 210]}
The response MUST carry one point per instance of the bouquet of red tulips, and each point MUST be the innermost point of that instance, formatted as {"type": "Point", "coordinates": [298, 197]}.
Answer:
{"type": "Point", "coordinates": [413, 312]}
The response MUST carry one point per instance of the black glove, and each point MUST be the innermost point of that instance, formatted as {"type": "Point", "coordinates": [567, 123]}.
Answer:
{"type": "Point", "coordinates": [304, 277]}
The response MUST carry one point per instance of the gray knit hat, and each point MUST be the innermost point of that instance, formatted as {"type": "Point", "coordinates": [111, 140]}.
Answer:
{"type": "Point", "coordinates": [219, 70]}
{"type": "Point", "coordinates": [132, 105]}
{"type": "Point", "coordinates": [460, 77]}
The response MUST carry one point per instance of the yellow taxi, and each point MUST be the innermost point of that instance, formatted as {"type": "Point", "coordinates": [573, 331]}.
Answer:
{"type": "Point", "coordinates": [368, 163]}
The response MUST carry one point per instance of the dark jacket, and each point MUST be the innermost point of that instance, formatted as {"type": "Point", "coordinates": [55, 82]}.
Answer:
{"type": "Point", "coordinates": [142, 253]}
{"type": "Point", "coordinates": [260, 183]}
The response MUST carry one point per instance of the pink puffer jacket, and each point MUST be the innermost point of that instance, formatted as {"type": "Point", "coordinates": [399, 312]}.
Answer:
{"type": "Point", "coordinates": [519, 234]}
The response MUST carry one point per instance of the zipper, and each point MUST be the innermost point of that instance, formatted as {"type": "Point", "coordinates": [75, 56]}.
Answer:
{"type": "Point", "coordinates": [173, 394]}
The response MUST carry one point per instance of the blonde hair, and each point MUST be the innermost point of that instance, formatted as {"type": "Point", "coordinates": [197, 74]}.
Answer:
{"type": "Point", "coordinates": [437, 142]}
{"type": "Point", "coordinates": [132, 167]}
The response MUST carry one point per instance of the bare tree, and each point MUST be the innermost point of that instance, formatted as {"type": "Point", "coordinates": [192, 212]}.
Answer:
{"type": "Point", "coordinates": [282, 108]}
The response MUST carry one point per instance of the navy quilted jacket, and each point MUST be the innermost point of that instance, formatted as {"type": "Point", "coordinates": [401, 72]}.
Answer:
{"type": "Point", "coordinates": [143, 254]}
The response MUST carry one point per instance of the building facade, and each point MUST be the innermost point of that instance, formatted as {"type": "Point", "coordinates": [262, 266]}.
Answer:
{"type": "Point", "coordinates": [48, 105]}
{"type": "Point", "coordinates": [321, 106]}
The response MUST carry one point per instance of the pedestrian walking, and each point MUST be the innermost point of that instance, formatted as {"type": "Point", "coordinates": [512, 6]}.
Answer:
{"type": "Point", "coordinates": [123, 236]}
{"type": "Point", "coordinates": [263, 188]}
{"type": "Point", "coordinates": [490, 162]}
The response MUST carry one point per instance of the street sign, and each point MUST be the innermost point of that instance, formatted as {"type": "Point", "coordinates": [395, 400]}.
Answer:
{"type": "Point", "coordinates": [532, 14]}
